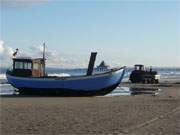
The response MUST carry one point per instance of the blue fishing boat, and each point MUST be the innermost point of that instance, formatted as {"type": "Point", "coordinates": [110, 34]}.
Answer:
{"type": "Point", "coordinates": [29, 77]}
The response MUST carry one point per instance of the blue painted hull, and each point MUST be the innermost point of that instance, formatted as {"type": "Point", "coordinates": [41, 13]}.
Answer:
{"type": "Point", "coordinates": [100, 84]}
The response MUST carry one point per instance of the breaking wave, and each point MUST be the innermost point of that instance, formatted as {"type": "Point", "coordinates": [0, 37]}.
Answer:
{"type": "Point", "coordinates": [60, 74]}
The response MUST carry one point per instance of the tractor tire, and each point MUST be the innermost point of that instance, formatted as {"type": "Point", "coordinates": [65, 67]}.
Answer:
{"type": "Point", "coordinates": [143, 81]}
{"type": "Point", "coordinates": [152, 81]}
{"type": "Point", "coordinates": [157, 81]}
{"type": "Point", "coordinates": [148, 81]}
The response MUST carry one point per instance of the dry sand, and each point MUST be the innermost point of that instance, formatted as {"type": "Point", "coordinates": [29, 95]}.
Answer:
{"type": "Point", "coordinates": [135, 115]}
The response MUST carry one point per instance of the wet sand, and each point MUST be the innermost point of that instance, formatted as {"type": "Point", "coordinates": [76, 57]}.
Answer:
{"type": "Point", "coordinates": [134, 115]}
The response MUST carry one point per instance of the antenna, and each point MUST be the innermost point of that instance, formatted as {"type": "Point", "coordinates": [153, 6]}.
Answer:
{"type": "Point", "coordinates": [44, 50]}
{"type": "Point", "coordinates": [44, 60]}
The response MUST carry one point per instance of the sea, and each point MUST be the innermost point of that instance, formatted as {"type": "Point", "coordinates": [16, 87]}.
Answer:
{"type": "Point", "coordinates": [167, 74]}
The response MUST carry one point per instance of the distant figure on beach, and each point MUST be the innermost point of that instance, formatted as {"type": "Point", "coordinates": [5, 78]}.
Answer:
{"type": "Point", "coordinates": [150, 69]}
{"type": "Point", "coordinates": [102, 66]}
{"type": "Point", "coordinates": [15, 53]}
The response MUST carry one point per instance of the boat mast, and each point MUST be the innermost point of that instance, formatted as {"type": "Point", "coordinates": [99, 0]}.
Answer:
{"type": "Point", "coordinates": [44, 62]}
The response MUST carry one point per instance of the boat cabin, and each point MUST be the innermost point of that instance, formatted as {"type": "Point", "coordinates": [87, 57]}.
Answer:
{"type": "Point", "coordinates": [28, 67]}
{"type": "Point", "coordinates": [102, 66]}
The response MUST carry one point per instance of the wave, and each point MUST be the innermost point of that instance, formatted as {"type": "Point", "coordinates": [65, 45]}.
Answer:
{"type": "Point", "coordinates": [2, 76]}
{"type": "Point", "coordinates": [163, 73]}
{"type": "Point", "coordinates": [4, 84]}
{"type": "Point", "coordinates": [59, 74]}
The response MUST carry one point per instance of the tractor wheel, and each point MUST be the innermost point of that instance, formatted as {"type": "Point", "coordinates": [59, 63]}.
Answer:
{"type": "Point", "coordinates": [148, 81]}
{"type": "Point", "coordinates": [143, 81]}
{"type": "Point", "coordinates": [157, 81]}
{"type": "Point", "coordinates": [153, 81]}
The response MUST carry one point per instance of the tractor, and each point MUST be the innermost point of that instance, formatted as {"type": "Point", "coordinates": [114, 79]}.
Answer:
{"type": "Point", "coordinates": [140, 75]}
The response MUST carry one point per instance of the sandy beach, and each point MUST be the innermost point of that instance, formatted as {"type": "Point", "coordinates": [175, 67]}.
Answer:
{"type": "Point", "coordinates": [134, 115]}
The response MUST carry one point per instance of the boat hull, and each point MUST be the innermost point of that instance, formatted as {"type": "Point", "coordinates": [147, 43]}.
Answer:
{"type": "Point", "coordinates": [66, 92]}
{"type": "Point", "coordinates": [100, 84]}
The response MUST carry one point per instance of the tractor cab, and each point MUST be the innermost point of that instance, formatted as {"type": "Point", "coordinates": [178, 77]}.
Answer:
{"type": "Point", "coordinates": [139, 67]}
{"type": "Point", "coordinates": [28, 67]}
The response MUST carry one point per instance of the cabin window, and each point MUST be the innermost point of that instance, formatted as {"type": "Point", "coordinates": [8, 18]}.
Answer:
{"type": "Point", "coordinates": [42, 68]}
{"type": "Point", "coordinates": [36, 66]}
{"type": "Point", "coordinates": [18, 65]}
{"type": "Point", "coordinates": [27, 65]}
{"type": "Point", "coordinates": [22, 65]}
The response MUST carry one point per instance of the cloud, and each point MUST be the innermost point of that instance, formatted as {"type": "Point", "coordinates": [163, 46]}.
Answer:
{"type": "Point", "coordinates": [5, 51]}
{"type": "Point", "coordinates": [59, 59]}
{"type": "Point", "coordinates": [5, 54]}
{"type": "Point", "coordinates": [55, 58]}
{"type": "Point", "coordinates": [21, 3]}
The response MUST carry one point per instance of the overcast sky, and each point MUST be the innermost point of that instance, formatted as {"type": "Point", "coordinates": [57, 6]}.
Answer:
{"type": "Point", "coordinates": [122, 32]}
